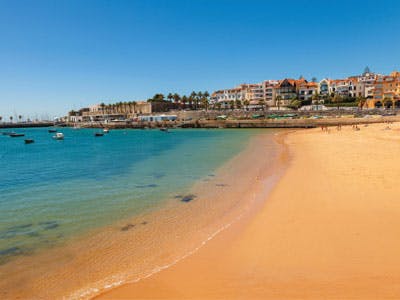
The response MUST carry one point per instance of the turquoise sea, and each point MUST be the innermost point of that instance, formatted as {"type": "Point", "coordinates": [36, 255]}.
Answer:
{"type": "Point", "coordinates": [53, 190]}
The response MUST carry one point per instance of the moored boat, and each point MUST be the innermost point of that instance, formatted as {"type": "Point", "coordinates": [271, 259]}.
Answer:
{"type": "Point", "coordinates": [98, 134]}
{"type": "Point", "coordinates": [29, 141]}
{"type": "Point", "coordinates": [58, 136]}
{"type": "Point", "coordinates": [106, 130]}
{"type": "Point", "coordinates": [16, 134]}
{"type": "Point", "coordinates": [52, 130]}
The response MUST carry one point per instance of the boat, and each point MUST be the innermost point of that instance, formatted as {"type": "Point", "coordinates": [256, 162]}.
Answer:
{"type": "Point", "coordinates": [58, 136]}
{"type": "Point", "coordinates": [164, 129]}
{"type": "Point", "coordinates": [98, 134]}
{"type": "Point", "coordinates": [52, 130]}
{"type": "Point", "coordinates": [16, 134]}
{"type": "Point", "coordinates": [29, 141]}
{"type": "Point", "coordinates": [106, 130]}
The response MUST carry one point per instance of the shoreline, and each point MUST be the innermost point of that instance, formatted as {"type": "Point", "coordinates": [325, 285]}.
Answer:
{"type": "Point", "coordinates": [120, 250]}
{"type": "Point", "coordinates": [329, 229]}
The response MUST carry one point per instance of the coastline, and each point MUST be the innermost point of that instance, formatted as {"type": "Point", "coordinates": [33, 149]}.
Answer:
{"type": "Point", "coordinates": [120, 253]}
{"type": "Point", "coordinates": [329, 229]}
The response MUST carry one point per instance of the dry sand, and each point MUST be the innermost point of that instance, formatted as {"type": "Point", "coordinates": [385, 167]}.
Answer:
{"type": "Point", "coordinates": [329, 230]}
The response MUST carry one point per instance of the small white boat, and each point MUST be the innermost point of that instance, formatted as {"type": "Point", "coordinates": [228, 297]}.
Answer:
{"type": "Point", "coordinates": [58, 136]}
{"type": "Point", "coordinates": [105, 130]}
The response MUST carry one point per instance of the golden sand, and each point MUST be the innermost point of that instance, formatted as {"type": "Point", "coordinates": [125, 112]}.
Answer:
{"type": "Point", "coordinates": [329, 230]}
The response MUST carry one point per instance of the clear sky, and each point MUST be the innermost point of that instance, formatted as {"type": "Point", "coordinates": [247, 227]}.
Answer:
{"type": "Point", "coordinates": [59, 55]}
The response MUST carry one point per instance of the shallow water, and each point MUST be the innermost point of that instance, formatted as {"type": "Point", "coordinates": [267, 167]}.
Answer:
{"type": "Point", "coordinates": [51, 190]}
{"type": "Point", "coordinates": [119, 207]}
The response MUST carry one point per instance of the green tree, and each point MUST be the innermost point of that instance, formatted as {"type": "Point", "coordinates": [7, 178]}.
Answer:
{"type": "Point", "coordinates": [338, 99]}
{"type": "Point", "coordinates": [184, 100]}
{"type": "Point", "coordinates": [176, 97]}
{"type": "Point", "coordinates": [315, 97]}
{"type": "Point", "coordinates": [295, 104]}
{"type": "Point", "coordinates": [360, 101]}
{"type": "Point", "coordinates": [278, 101]}
{"type": "Point", "coordinates": [246, 104]}
{"type": "Point", "coordinates": [238, 104]}
{"type": "Point", "coordinates": [170, 97]}
{"type": "Point", "coordinates": [102, 105]}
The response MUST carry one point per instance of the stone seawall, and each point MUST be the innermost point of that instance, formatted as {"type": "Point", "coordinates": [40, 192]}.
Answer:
{"type": "Point", "coordinates": [260, 123]}
{"type": "Point", "coordinates": [26, 125]}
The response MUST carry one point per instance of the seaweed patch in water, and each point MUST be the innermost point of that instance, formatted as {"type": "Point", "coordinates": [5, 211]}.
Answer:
{"type": "Point", "coordinates": [33, 234]}
{"type": "Point", "coordinates": [221, 184]}
{"type": "Point", "coordinates": [188, 198]}
{"type": "Point", "coordinates": [127, 227]}
{"type": "Point", "coordinates": [211, 175]}
{"type": "Point", "coordinates": [23, 226]}
{"type": "Point", "coordinates": [144, 223]}
{"type": "Point", "coordinates": [14, 230]}
{"type": "Point", "coordinates": [49, 225]}
{"type": "Point", "coordinates": [152, 185]}
{"type": "Point", "coordinates": [178, 197]}
{"type": "Point", "coordinates": [11, 251]}
{"type": "Point", "coordinates": [158, 175]}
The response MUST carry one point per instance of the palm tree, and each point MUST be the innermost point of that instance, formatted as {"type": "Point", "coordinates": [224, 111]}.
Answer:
{"type": "Point", "coordinates": [11, 119]}
{"type": "Point", "coordinates": [361, 101]}
{"type": "Point", "coordinates": [204, 102]}
{"type": "Point", "coordinates": [315, 97]}
{"type": "Point", "coordinates": [19, 118]}
{"type": "Point", "coordinates": [199, 99]}
{"type": "Point", "coordinates": [102, 105]}
{"type": "Point", "coordinates": [170, 97]}
{"type": "Point", "coordinates": [184, 100]}
{"type": "Point", "coordinates": [1, 118]}
{"type": "Point", "coordinates": [278, 101]}
{"type": "Point", "coordinates": [192, 98]}
{"type": "Point", "coordinates": [176, 97]}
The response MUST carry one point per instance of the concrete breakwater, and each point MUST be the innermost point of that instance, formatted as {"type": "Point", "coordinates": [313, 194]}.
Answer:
{"type": "Point", "coordinates": [26, 125]}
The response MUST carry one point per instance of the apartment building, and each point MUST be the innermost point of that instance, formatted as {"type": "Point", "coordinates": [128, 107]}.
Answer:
{"type": "Point", "coordinates": [225, 97]}
{"type": "Point", "coordinates": [386, 92]}
{"type": "Point", "coordinates": [287, 90]}
{"type": "Point", "coordinates": [307, 90]}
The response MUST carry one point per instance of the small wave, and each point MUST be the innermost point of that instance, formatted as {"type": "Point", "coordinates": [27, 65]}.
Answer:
{"type": "Point", "coordinates": [92, 292]}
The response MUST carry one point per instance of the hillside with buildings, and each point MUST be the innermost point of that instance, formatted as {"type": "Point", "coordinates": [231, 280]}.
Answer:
{"type": "Point", "coordinates": [366, 91]}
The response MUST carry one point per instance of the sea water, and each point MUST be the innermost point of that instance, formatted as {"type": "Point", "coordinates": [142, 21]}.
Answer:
{"type": "Point", "coordinates": [52, 190]}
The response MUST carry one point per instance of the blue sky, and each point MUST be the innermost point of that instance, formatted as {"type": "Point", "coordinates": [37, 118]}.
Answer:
{"type": "Point", "coordinates": [57, 55]}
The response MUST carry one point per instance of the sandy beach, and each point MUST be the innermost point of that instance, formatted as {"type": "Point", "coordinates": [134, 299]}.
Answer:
{"type": "Point", "coordinates": [329, 230]}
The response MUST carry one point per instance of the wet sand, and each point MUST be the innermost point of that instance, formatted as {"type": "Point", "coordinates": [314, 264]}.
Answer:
{"type": "Point", "coordinates": [139, 247]}
{"type": "Point", "coordinates": [329, 230]}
